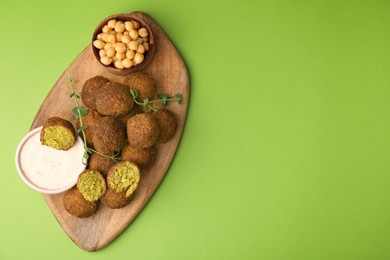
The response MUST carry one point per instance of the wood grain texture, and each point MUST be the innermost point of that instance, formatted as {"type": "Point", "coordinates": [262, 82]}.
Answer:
{"type": "Point", "coordinates": [170, 73]}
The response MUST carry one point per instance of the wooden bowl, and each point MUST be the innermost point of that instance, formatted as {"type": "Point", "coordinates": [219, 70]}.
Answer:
{"type": "Point", "coordinates": [148, 56]}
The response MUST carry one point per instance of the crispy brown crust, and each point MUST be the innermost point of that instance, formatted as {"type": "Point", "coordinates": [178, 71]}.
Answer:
{"type": "Point", "coordinates": [89, 121]}
{"type": "Point", "coordinates": [109, 135]}
{"type": "Point", "coordinates": [115, 200]}
{"type": "Point", "coordinates": [100, 163]}
{"type": "Point", "coordinates": [143, 157]}
{"type": "Point", "coordinates": [143, 83]}
{"type": "Point", "coordinates": [167, 123]}
{"type": "Point", "coordinates": [114, 99]}
{"type": "Point", "coordinates": [76, 205]}
{"type": "Point", "coordinates": [142, 130]}
{"type": "Point", "coordinates": [90, 90]}
{"type": "Point", "coordinates": [57, 121]}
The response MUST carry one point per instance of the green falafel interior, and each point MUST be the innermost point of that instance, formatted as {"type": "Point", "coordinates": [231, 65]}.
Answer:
{"type": "Point", "coordinates": [124, 176]}
{"type": "Point", "coordinates": [58, 138]}
{"type": "Point", "coordinates": [91, 185]}
{"type": "Point", "coordinates": [58, 133]}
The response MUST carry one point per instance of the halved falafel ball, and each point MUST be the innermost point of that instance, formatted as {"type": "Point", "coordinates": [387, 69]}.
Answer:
{"type": "Point", "coordinates": [90, 90]}
{"type": "Point", "coordinates": [100, 163]}
{"type": "Point", "coordinates": [58, 133]}
{"type": "Point", "coordinates": [167, 123]}
{"type": "Point", "coordinates": [143, 157]}
{"type": "Point", "coordinates": [114, 99]}
{"type": "Point", "coordinates": [124, 177]}
{"type": "Point", "coordinates": [89, 121]}
{"type": "Point", "coordinates": [91, 185]}
{"type": "Point", "coordinates": [143, 83]}
{"type": "Point", "coordinates": [142, 130]}
{"type": "Point", "coordinates": [115, 200]}
{"type": "Point", "coordinates": [76, 205]}
{"type": "Point", "coordinates": [109, 135]}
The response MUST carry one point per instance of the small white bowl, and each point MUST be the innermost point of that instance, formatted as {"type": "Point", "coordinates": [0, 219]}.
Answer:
{"type": "Point", "coordinates": [34, 161]}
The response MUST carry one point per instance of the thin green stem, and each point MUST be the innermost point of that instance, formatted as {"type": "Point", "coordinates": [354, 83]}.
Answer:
{"type": "Point", "coordinates": [86, 148]}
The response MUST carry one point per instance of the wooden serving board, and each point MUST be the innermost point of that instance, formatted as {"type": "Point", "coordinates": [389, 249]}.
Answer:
{"type": "Point", "coordinates": [170, 73]}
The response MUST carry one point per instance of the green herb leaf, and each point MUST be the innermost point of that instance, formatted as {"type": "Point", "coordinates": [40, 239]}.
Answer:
{"type": "Point", "coordinates": [162, 96]}
{"type": "Point", "coordinates": [134, 93]}
{"type": "Point", "coordinates": [74, 95]}
{"type": "Point", "coordinates": [75, 112]}
{"type": "Point", "coordinates": [83, 111]}
{"type": "Point", "coordinates": [164, 102]}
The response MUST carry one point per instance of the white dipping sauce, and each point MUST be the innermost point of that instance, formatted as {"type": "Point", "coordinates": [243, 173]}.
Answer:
{"type": "Point", "coordinates": [49, 169]}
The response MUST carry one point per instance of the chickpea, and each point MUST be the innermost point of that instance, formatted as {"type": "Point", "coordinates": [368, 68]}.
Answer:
{"type": "Point", "coordinates": [111, 23]}
{"type": "Point", "coordinates": [139, 40]}
{"type": "Point", "coordinates": [102, 53]}
{"type": "Point", "coordinates": [127, 63]}
{"type": "Point", "coordinates": [120, 27]}
{"type": "Point", "coordinates": [130, 54]}
{"type": "Point", "coordinates": [133, 34]}
{"type": "Point", "coordinates": [141, 49]}
{"type": "Point", "coordinates": [125, 39]}
{"type": "Point", "coordinates": [120, 56]}
{"type": "Point", "coordinates": [119, 37]}
{"type": "Point", "coordinates": [111, 38]}
{"type": "Point", "coordinates": [99, 36]}
{"type": "Point", "coordinates": [136, 24]}
{"type": "Point", "coordinates": [98, 44]}
{"type": "Point", "coordinates": [143, 32]}
{"type": "Point", "coordinates": [145, 39]}
{"type": "Point", "coordinates": [133, 45]}
{"type": "Point", "coordinates": [118, 64]}
{"type": "Point", "coordinates": [138, 58]}
{"type": "Point", "coordinates": [108, 45]}
{"type": "Point", "coordinates": [126, 33]}
{"type": "Point", "coordinates": [106, 29]}
{"type": "Point", "coordinates": [146, 45]}
{"type": "Point", "coordinates": [104, 37]}
{"type": "Point", "coordinates": [105, 60]}
{"type": "Point", "coordinates": [110, 52]}
{"type": "Point", "coordinates": [120, 47]}
{"type": "Point", "coordinates": [129, 25]}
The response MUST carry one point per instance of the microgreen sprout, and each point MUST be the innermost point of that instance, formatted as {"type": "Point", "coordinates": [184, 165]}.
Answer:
{"type": "Point", "coordinates": [162, 98]}
{"type": "Point", "coordinates": [77, 113]}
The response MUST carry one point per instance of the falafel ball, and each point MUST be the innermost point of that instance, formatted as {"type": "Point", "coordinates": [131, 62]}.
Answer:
{"type": "Point", "coordinates": [89, 121]}
{"type": "Point", "coordinates": [114, 99]}
{"type": "Point", "coordinates": [143, 157]}
{"type": "Point", "coordinates": [91, 185]}
{"type": "Point", "coordinates": [142, 130]}
{"type": "Point", "coordinates": [109, 135]}
{"type": "Point", "coordinates": [58, 133]}
{"type": "Point", "coordinates": [90, 90]}
{"type": "Point", "coordinates": [76, 205]}
{"type": "Point", "coordinates": [167, 123]}
{"type": "Point", "coordinates": [115, 200]}
{"type": "Point", "coordinates": [124, 177]}
{"type": "Point", "coordinates": [100, 163]}
{"type": "Point", "coordinates": [143, 83]}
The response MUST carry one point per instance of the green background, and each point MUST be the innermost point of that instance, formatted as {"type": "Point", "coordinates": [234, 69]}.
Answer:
{"type": "Point", "coordinates": [285, 153]}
